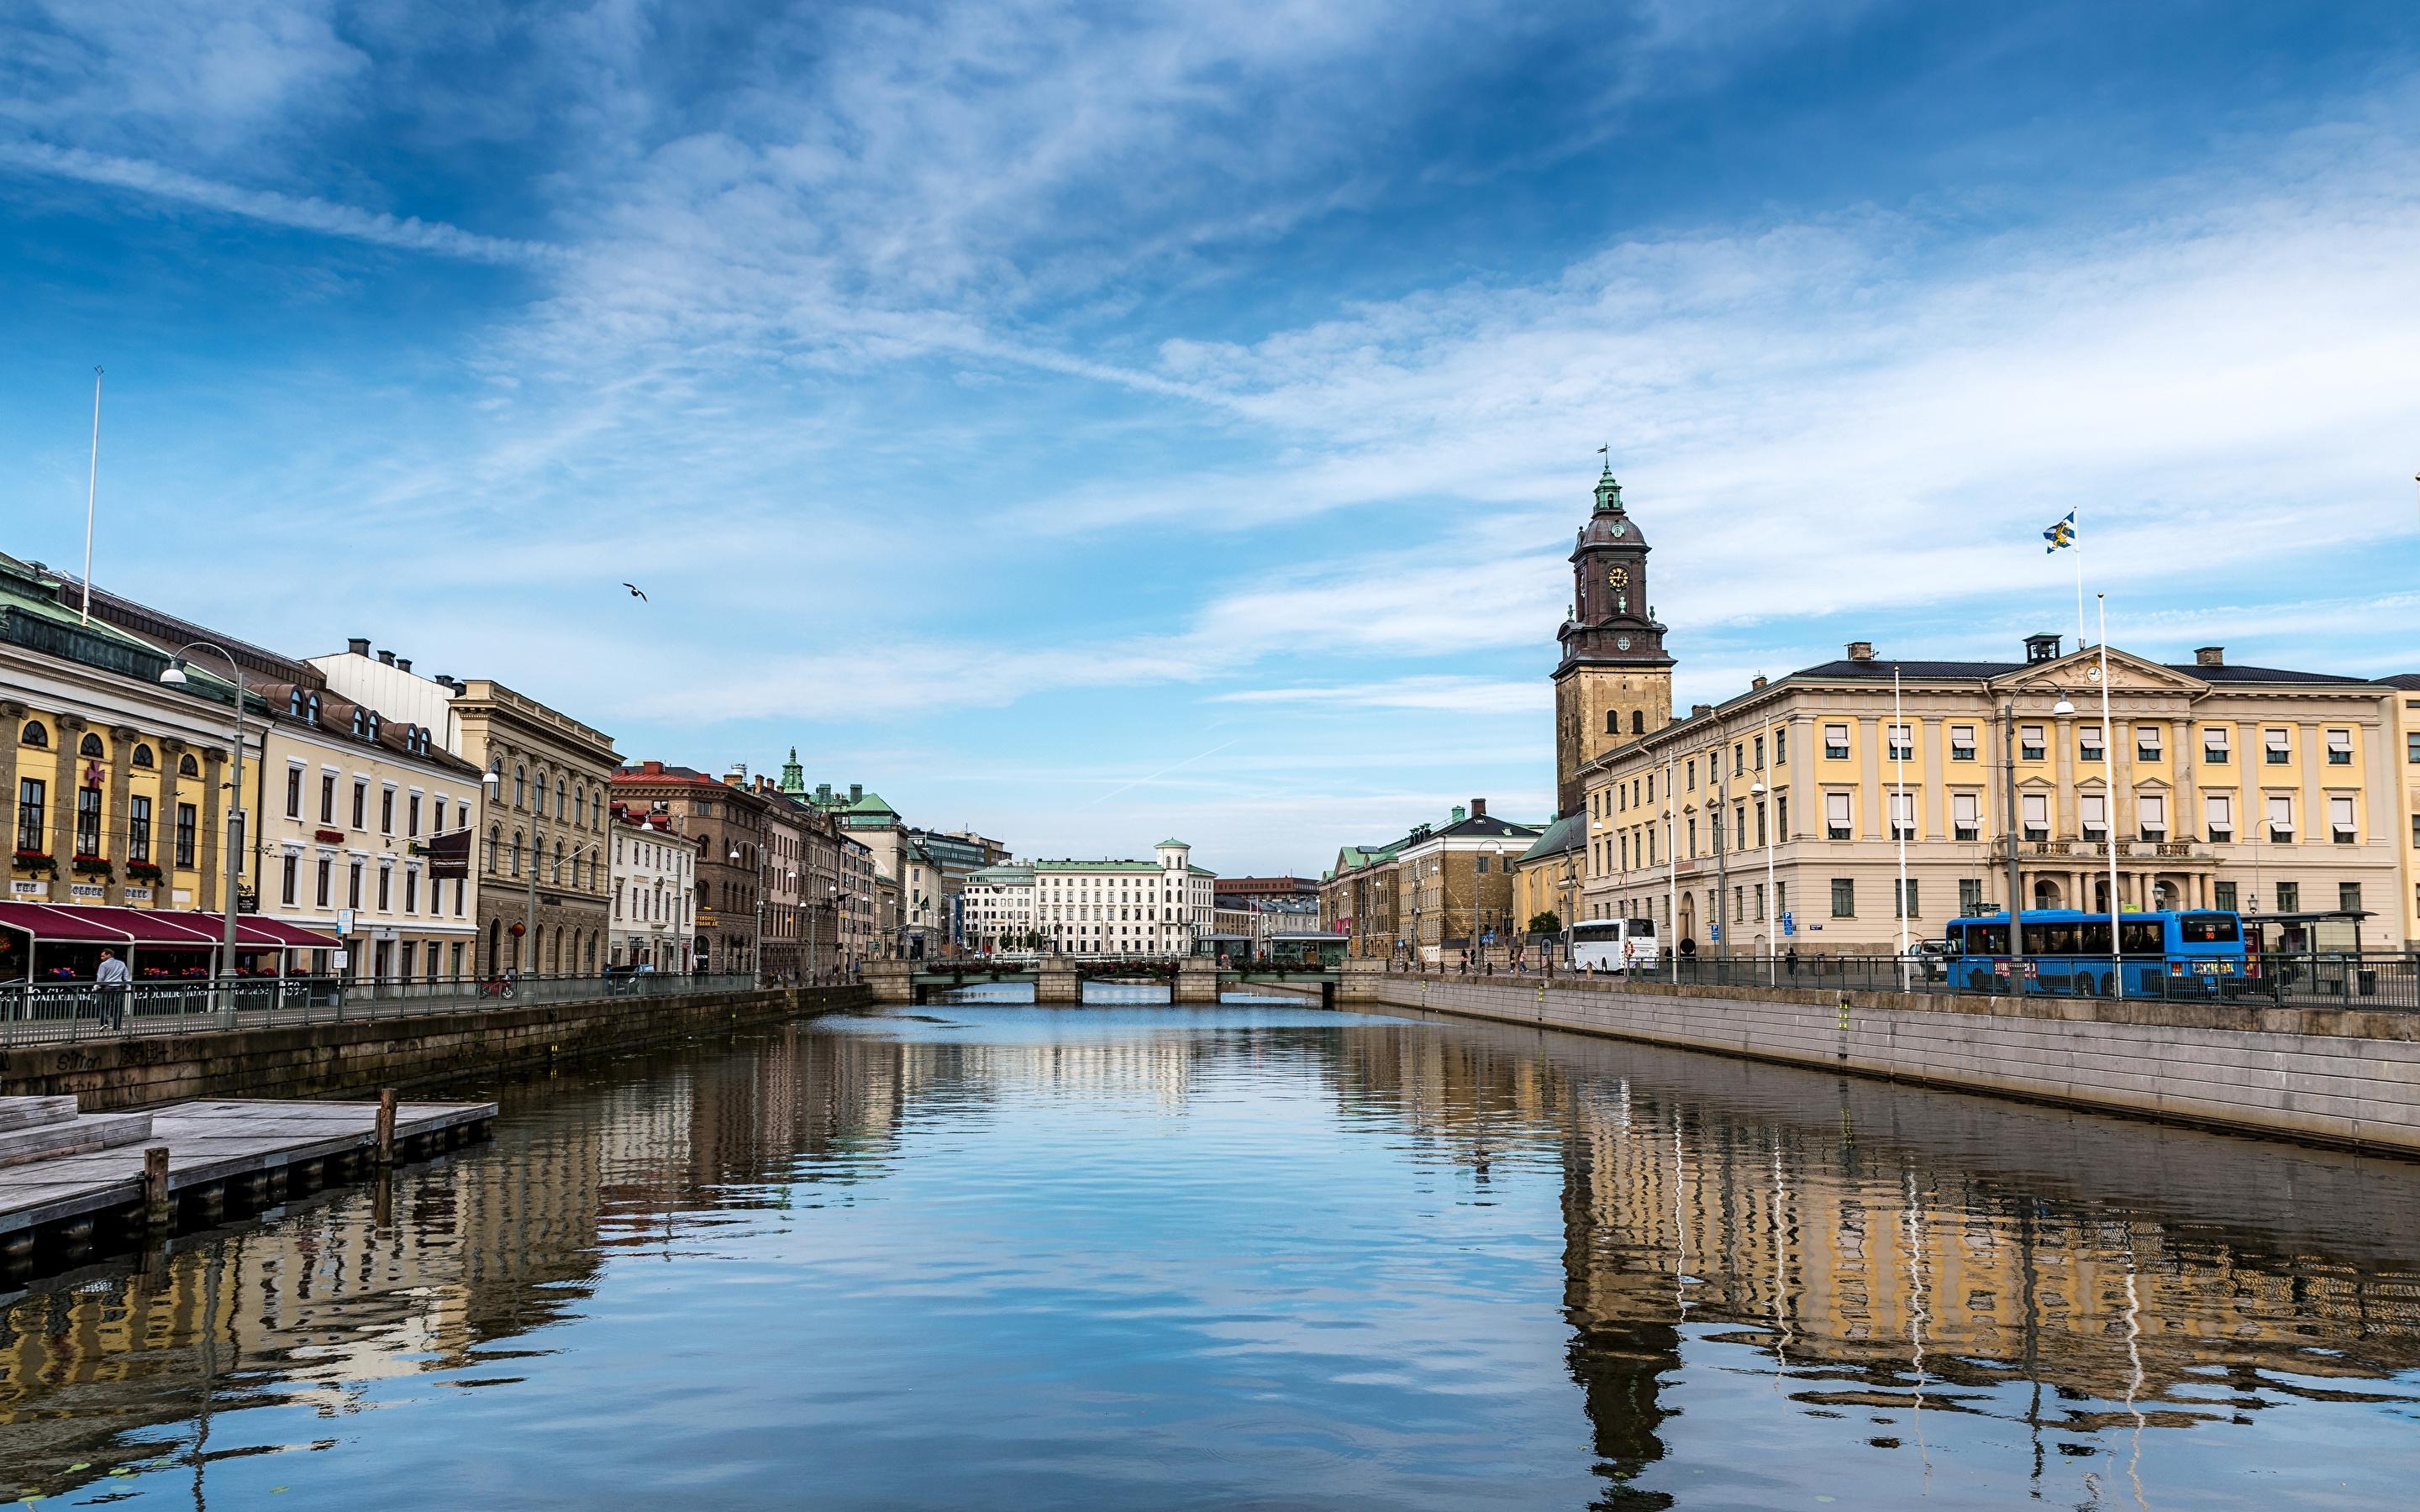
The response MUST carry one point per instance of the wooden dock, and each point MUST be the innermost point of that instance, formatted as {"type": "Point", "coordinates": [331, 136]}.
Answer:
{"type": "Point", "coordinates": [258, 1146]}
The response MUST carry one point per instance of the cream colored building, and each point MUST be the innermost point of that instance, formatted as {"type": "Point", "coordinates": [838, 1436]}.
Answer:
{"type": "Point", "coordinates": [2264, 790]}
{"type": "Point", "coordinates": [2403, 705]}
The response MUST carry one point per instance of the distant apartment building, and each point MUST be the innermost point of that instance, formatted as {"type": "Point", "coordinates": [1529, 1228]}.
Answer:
{"type": "Point", "coordinates": [1438, 890]}
{"type": "Point", "coordinates": [653, 873]}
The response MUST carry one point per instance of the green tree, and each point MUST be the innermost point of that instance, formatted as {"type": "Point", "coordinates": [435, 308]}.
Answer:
{"type": "Point", "coordinates": [1545, 923]}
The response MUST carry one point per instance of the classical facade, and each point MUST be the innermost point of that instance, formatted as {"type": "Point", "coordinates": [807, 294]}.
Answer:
{"type": "Point", "coordinates": [861, 936]}
{"type": "Point", "coordinates": [1438, 891]}
{"type": "Point", "coordinates": [1614, 682]}
{"type": "Point", "coordinates": [1779, 812]}
{"type": "Point", "coordinates": [2403, 703]}
{"type": "Point", "coordinates": [1159, 907]}
{"type": "Point", "coordinates": [653, 871]}
{"type": "Point", "coordinates": [923, 920]}
{"type": "Point", "coordinates": [726, 822]}
{"type": "Point", "coordinates": [542, 889]}
{"type": "Point", "coordinates": [999, 911]}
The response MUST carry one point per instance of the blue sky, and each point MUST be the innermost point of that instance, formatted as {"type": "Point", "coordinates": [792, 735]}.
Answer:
{"type": "Point", "coordinates": [1093, 421]}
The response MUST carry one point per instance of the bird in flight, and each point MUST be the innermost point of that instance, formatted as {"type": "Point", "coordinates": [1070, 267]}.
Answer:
{"type": "Point", "coordinates": [635, 592]}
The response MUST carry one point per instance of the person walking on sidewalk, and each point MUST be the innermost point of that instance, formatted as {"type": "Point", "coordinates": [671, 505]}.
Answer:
{"type": "Point", "coordinates": [113, 981]}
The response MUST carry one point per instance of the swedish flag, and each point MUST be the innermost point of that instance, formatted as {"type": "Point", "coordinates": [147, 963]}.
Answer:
{"type": "Point", "coordinates": [2060, 534]}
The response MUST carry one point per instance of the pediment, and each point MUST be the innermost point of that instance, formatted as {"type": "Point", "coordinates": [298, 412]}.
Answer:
{"type": "Point", "coordinates": [2080, 670]}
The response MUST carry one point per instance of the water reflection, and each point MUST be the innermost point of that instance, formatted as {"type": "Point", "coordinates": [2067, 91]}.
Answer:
{"type": "Point", "coordinates": [1123, 1255]}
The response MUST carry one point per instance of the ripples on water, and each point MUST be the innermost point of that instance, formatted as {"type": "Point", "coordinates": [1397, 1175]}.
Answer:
{"type": "Point", "coordinates": [1256, 1255]}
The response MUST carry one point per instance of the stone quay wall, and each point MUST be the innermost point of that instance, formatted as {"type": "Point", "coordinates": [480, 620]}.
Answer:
{"type": "Point", "coordinates": [2349, 1078]}
{"type": "Point", "coordinates": [310, 1060]}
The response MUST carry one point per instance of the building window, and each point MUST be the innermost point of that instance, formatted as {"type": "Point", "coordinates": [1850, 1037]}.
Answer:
{"type": "Point", "coordinates": [141, 758]}
{"type": "Point", "coordinates": [2218, 816]}
{"type": "Point", "coordinates": [386, 890]}
{"type": "Point", "coordinates": [2222, 895]}
{"type": "Point", "coordinates": [2087, 744]}
{"type": "Point", "coordinates": [87, 823]}
{"type": "Point", "coordinates": [2214, 749]}
{"type": "Point", "coordinates": [294, 793]}
{"type": "Point", "coordinates": [290, 878]}
{"type": "Point", "coordinates": [1844, 898]}
{"type": "Point", "coordinates": [186, 820]}
{"type": "Point", "coordinates": [1900, 741]}
{"type": "Point", "coordinates": [1962, 741]}
{"type": "Point", "coordinates": [187, 767]}
{"type": "Point", "coordinates": [2037, 812]}
{"type": "Point", "coordinates": [2152, 812]}
{"type": "Point", "coordinates": [360, 803]}
{"type": "Point", "coordinates": [412, 814]}
{"type": "Point", "coordinates": [2032, 743]}
{"type": "Point", "coordinates": [2290, 897]}
{"type": "Point", "coordinates": [1902, 808]}
{"type": "Point", "coordinates": [353, 886]}
{"type": "Point", "coordinates": [2349, 896]}
{"type": "Point", "coordinates": [90, 748]}
{"type": "Point", "coordinates": [1482, 865]}
{"type": "Point", "coordinates": [521, 786]}
{"type": "Point", "coordinates": [2281, 818]}
{"type": "Point", "coordinates": [2279, 744]}
{"type": "Point", "coordinates": [138, 827]}
{"type": "Point", "coordinates": [2339, 747]}
{"type": "Point", "coordinates": [411, 892]}
{"type": "Point", "coordinates": [327, 798]}
{"type": "Point", "coordinates": [34, 733]}
{"type": "Point", "coordinates": [1836, 741]}
{"type": "Point", "coordinates": [1966, 815]}
{"type": "Point", "coordinates": [2340, 821]}
{"type": "Point", "coordinates": [386, 811]}
{"type": "Point", "coordinates": [2092, 814]}
{"type": "Point", "coordinates": [1759, 753]}
{"type": "Point", "coordinates": [31, 812]}
{"type": "Point", "coordinates": [1838, 817]}
{"type": "Point", "coordinates": [1906, 907]}
{"type": "Point", "coordinates": [542, 790]}
{"type": "Point", "coordinates": [2149, 742]}
{"type": "Point", "coordinates": [325, 879]}
{"type": "Point", "coordinates": [1970, 895]}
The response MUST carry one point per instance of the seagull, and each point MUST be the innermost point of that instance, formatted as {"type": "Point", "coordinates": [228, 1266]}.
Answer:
{"type": "Point", "coordinates": [635, 592]}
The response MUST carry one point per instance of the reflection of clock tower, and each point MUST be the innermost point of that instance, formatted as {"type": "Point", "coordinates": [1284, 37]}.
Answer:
{"type": "Point", "coordinates": [1614, 682]}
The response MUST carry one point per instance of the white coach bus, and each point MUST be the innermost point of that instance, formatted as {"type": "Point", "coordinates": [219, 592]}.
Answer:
{"type": "Point", "coordinates": [1613, 945]}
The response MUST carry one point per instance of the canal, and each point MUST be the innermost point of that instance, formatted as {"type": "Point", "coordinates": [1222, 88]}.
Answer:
{"type": "Point", "coordinates": [1132, 1255]}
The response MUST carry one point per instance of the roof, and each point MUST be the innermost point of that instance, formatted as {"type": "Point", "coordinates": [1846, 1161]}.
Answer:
{"type": "Point", "coordinates": [1566, 834]}
{"type": "Point", "coordinates": [1003, 876]}
{"type": "Point", "coordinates": [1106, 865]}
{"type": "Point", "coordinates": [1985, 670]}
{"type": "Point", "coordinates": [2410, 680]}
{"type": "Point", "coordinates": [154, 927]}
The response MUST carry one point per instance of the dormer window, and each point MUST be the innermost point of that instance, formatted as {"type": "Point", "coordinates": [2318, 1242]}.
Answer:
{"type": "Point", "coordinates": [294, 705]}
{"type": "Point", "coordinates": [373, 724]}
{"type": "Point", "coordinates": [360, 723]}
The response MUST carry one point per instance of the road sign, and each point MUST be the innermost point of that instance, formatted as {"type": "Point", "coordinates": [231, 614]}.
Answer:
{"type": "Point", "coordinates": [1789, 923]}
{"type": "Point", "coordinates": [1715, 932]}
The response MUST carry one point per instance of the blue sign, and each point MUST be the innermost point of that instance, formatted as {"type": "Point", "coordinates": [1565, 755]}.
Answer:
{"type": "Point", "coordinates": [1789, 923]}
{"type": "Point", "coordinates": [1715, 932]}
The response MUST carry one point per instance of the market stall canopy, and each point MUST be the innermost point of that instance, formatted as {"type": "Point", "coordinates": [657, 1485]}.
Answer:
{"type": "Point", "coordinates": [139, 928]}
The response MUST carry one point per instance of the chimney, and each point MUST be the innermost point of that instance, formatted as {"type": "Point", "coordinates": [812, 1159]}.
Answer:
{"type": "Point", "coordinates": [1457, 813]}
{"type": "Point", "coordinates": [447, 680]}
{"type": "Point", "coordinates": [652, 768]}
{"type": "Point", "coordinates": [403, 664]}
{"type": "Point", "coordinates": [1756, 681]}
{"type": "Point", "coordinates": [2210, 656]}
{"type": "Point", "coordinates": [1698, 711]}
{"type": "Point", "coordinates": [386, 658]}
{"type": "Point", "coordinates": [1478, 808]}
{"type": "Point", "coordinates": [359, 645]}
{"type": "Point", "coordinates": [1861, 651]}
{"type": "Point", "coordinates": [856, 791]}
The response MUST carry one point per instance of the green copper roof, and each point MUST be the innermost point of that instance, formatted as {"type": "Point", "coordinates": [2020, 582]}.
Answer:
{"type": "Point", "coordinates": [1178, 843]}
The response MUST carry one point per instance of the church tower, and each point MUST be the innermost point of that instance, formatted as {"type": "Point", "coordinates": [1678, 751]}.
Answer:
{"type": "Point", "coordinates": [1614, 682]}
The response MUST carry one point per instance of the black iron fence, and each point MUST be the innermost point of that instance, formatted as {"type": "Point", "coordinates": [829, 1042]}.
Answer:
{"type": "Point", "coordinates": [33, 1012]}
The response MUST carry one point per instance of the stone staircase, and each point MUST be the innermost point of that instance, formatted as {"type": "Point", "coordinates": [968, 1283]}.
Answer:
{"type": "Point", "coordinates": [46, 1127]}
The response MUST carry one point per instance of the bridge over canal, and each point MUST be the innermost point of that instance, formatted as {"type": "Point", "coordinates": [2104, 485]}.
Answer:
{"type": "Point", "coordinates": [1060, 979]}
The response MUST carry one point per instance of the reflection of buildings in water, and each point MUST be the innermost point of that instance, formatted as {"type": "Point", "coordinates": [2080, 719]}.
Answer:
{"type": "Point", "coordinates": [1955, 1249]}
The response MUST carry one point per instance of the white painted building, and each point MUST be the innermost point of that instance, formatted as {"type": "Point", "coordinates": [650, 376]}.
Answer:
{"type": "Point", "coordinates": [1000, 910]}
{"type": "Point", "coordinates": [653, 873]}
{"type": "Point", "coordinates": [1157, 907]}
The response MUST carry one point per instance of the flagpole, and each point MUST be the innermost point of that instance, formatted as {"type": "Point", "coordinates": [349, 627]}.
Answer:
{"type": "Point", "coordinates": [2109, 777]}
{"type": "Point", "coordinates": [91, 487]}
{"type": "Point", "coordinates": [1901, 738]}
{"type": "Point", "coordinates": [2075, 544]}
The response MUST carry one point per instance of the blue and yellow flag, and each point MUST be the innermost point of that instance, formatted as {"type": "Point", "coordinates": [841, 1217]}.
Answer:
{"type": "Point", "coordinates": [2060, 534]}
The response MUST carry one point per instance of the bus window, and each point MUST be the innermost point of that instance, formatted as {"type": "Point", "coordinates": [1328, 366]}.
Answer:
{"type": "Point", "coordinates": [2208, 929]}
{"type": "Point", "coordinates": [1981, 939]}
{"type": "Point", "coordinates": [2093, 938]}
{"type": "Point", "coordinates": [1642, 928]}
{"type": "Point", "coordinates": [2143, 936]}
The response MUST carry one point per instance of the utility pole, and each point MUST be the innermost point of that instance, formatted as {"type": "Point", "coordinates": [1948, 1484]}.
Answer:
{"type": "Point", "coordinates": [2016, 908]}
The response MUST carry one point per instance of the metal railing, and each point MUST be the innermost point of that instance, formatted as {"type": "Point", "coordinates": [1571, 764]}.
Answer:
{"type": "Point", "coordinates": [46, 1011]}
{"type": "Point", "coordinates": [2381, 982]}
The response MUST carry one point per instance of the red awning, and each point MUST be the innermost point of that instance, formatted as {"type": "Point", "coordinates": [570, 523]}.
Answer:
{"type": "Point", "coordinates": [153, 928]}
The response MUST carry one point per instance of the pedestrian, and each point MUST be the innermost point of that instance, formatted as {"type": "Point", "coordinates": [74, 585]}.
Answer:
{"type": "Point", "coordinates": [113, 981]}
{"type": "Point", "coordinates": [1791, 960]}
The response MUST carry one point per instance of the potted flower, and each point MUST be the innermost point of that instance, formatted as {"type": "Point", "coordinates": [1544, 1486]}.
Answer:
{"type": "Point", "coordinates": [143, 872]}
{"type": "Point", "coordinates": [91, 866]}
{"type": "Point", "coordinates": [39, 862]}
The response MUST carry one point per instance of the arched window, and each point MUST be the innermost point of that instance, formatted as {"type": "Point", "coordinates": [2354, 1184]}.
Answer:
{"type": "Point", "coordinates": [141, 757]}
{"type": "Point", "coordinates": [558, 863]}
{"type": "Point", "coordinates": [516, 853]}
{"type": "Point", "coordinates": [521, 786]}
{"type": "Point", "coordinates": [1638, 721]}
{"type": "Point", "coordinates": [496, 945]}
{"type": "Point", "coordinates": [495, 846]}
{"type": "Point", "coordinates": [558, 799]}
{"type": "Point", "coordinates": [579, 806]}
{"type": "Point", "coordinates": [294, 705]}
{"type": "Point", "coordinates": [542, 790]}
{"type": "Point", "coordinates": [372, 723]}
{"type": "Point", "coordinates": [187, 767]}
{"type": "Point", "coordinates": [90, 746]}
{"type": "Point", "coordinates": [34, 733]}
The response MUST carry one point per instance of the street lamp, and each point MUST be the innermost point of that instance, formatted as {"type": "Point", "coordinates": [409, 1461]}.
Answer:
{"type": "Point", "coordinates": [757, 957]}
{"type": "Point", "coordinates": [1772, 899]}
{"type": "Point", "coordinates": [174, 675]}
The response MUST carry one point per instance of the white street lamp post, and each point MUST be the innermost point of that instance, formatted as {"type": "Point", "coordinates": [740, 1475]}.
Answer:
{"type": "Point", "coordinates": [1772, 900]}
{"type": "Point", "coordinates": [174, 675]}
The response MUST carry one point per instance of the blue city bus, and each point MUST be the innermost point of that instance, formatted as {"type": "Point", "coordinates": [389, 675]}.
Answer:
{"type": "Point", "coordinates": [2195, 953]}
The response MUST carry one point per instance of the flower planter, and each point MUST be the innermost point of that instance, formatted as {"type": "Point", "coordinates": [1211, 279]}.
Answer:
{"type": "Point", "coordinates": [91, 866]}
{"type": "Point", "coordinates": [36, 862]}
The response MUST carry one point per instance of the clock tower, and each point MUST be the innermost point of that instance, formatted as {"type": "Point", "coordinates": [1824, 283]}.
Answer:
{"type": "Point", "coordinates": [1614, 682]}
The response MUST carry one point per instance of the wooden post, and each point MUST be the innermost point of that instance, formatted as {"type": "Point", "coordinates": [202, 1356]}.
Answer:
{"type": "Point", "coordinates": [157, 1214]}
{"type": "Point", "coordinates": [386, 1126]}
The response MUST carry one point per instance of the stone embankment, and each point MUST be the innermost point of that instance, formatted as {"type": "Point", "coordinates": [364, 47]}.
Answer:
{"type": "Point", "coordinates": [2339, 1077]}
{"type": "Point", "coordinates": [313, 1061]}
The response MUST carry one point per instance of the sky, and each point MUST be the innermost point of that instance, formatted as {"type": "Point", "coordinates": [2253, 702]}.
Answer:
{"type": "Point", "coordinates": [1094, 422]}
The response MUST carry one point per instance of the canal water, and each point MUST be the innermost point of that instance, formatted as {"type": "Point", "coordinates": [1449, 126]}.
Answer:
{"type": "Point", "coordinates": [1257, 1255]}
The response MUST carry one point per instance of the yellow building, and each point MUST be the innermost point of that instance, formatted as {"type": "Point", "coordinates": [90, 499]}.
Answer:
{"type": "Point", "coordinates": [2403, 702]}
{"type": "Point", "coordinates": [115, 779]}
{"type": "Point", "coordinates": [2264, 790]}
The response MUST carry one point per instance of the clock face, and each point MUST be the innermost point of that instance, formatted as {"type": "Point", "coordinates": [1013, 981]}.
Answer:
{"type": "Point", "coordinates": [1621, 527]}
{"type": "Point", "coordinates": [1617, 576]}
{"type": "Point", "coordinates": [1622, 643]}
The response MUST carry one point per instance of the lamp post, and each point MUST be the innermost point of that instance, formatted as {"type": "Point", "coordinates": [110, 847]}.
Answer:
{"type": "Point", "coordinates": [174, 675]}
{"type": "Point", "coordinates": [757, 957]}
{"type": "Point", "coordinates": [1771, 905]}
